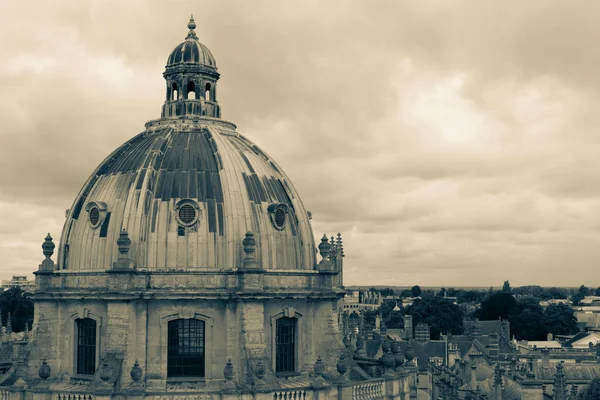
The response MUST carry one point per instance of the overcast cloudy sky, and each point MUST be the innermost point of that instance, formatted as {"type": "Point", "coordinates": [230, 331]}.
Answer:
{"type": "Point", "coordinates": [452, 143]}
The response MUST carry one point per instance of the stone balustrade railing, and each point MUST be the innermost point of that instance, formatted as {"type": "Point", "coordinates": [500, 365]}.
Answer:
{"type": "Point", "coordinates": [372, 390]}
{"type": "Point", "coordinates": [73, 396]}
{"type": "Point", "coordinates": [297, 394]}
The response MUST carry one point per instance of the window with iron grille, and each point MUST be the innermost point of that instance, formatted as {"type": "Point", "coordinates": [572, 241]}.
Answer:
{"type": "Point", "coordinates": [185, 348]}
{"type": "Point", "coordinates": [86, 346]}
{"type": "Point", "coordinates": [285, 342]}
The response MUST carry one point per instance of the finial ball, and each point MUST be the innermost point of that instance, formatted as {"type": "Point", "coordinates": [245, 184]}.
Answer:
{"type": "Point", "coordinates": [192, 23]}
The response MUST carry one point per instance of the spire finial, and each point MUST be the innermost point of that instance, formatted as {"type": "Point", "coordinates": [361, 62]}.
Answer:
{"type": "Point", "coordinates": [191, 26]}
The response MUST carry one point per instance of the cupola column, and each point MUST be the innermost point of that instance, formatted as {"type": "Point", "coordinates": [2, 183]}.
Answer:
{"type": "Point", "coordinates": [191, 67]}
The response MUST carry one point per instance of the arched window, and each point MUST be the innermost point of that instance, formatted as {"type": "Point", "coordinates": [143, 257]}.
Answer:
{"type": "Point", "coordinates": [174, 92]}
{"type": "Point", "coordinates": [285, 345]}
{"type": "Point", "coordinates": [207, 92]}
{"type": "Point", "coordinates": [191, 91]}
{"type": "Point", "coordinates": [86, 346]}
{"type": "Point", "coordinates": [185, 356]}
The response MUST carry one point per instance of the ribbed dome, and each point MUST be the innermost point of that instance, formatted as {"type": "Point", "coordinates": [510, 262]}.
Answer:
{"type": "Point", "coordinates": [187, 191]}
{"type": "Point", "coordinates": [191, 51]}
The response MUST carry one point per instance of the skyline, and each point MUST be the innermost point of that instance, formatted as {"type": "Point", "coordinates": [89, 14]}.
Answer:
{"type": "Point", "coordinates": [451, 146]}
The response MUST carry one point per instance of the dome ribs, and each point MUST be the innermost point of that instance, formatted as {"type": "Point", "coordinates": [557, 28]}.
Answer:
{"type": "Point", "coordinates": [201, 187]}
{"type": "Point", "coordinates": [212, 221]}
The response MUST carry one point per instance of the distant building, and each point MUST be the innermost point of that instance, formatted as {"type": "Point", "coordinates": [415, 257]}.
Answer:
{"type": "Point", "coordinates": [357, 301]}
{"type": "Point", "coordinates": [546, 303]}
{"type": "Point", "coordinates": [19, 281]}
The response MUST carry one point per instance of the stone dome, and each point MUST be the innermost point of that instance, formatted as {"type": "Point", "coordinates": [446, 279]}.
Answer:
{"type": "Point", "coordinates": [186, 191]}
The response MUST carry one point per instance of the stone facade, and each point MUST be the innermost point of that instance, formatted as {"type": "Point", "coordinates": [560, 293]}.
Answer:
{"type": "Point", "coordinates": [190, 234]}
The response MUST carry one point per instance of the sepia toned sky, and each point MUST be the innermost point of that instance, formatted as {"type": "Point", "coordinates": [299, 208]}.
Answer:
{"type": "Point", "coordinates": [452, 143]}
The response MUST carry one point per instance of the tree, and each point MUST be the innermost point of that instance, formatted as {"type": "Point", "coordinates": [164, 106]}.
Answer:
{"type": "Point", "coordinates": [406, 293]}
{"type": "Point", "coordinates": [580, 295]}
{"type": "Point", "coordinates": [442, 292]}
{"type": "Point", "coordinates": [395, 320]}
{"type": "Point", "coordinates": [597, 291]}
{"type": "Point", "coordinates": [440, 314]}
{"type": "Point", "coordinates": [416, 291]}
{"type": "Point", "coordinates": [387, 292]}
{"type": "Point", "coordinates": [498, 305]}
{"type": "Point", "coordinates": [369, 319]}
{"type": "Point", "coordinates": [560, 320]}
{"type": "Point", "coordinates": [467, 296]}
{"type": "Point", "coordinates": [556, 293]}
{"type": "Point", "coordinates": [20, 306]}
{"type": "Point", "coordinates": [392, 319]}
{"type": "Point", "coordinates": [592, 392]}
{"type": "Point", "coordinates": [506, 287]}
{"type": "Point", "coordinates": [527, 321]}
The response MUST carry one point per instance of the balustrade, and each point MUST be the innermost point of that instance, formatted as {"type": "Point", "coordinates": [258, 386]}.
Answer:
{"type": "Point", "coordinates": [298, 394]}
{"type": "Point", "coordinates": [72, 396]}
{"type": "Point", "coordinates": [368, 391]}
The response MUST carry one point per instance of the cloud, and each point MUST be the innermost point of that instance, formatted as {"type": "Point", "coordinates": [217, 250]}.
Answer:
{"type": "Point", "coordinates": [451, 145]}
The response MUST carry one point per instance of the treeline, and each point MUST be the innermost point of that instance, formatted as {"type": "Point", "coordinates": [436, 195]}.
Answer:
{"type": "Point", "coordinates": [520, 306]}
{"type": "Point", "coordinates": [19, 305]}
{"type": "Point", "coordinates": [528, 320]}
{"type": "Point", "coordinates": [472, 295]}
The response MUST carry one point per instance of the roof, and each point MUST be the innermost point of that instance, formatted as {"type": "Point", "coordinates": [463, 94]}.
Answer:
{"type": "Point", "coordinates": [228, 180]}
{"type": "Point", "coordinates": [540, 344]}
{"type": "Point", "coordinates": [573, 371]}
{"type": "Point", "coordinates": [580, 339]}
{"type": "Point", "coordinates": [425, 350]}
{"type": "Point", "coordinates": [487, 327]}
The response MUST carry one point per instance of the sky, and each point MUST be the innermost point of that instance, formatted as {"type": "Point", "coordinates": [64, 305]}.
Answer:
{"type": "Point", "coordinates": [451, 143]}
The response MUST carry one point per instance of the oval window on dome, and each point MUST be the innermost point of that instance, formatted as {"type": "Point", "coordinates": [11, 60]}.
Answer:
{"type": "Point", "coordinates": [278, 214]}
{"type": "Point", "coordinates": [97, 212]}
{"type": "Point", "coordinates": [94, 216]}
{"type": "Point", "coordinates": [279, 218]}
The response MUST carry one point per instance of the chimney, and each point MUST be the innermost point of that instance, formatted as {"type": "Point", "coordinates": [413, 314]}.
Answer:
{"type": "Point", "coordinates": [493, 347]}
{"type": "Point", "coordinates": [545, 358]}
{"type": "Point", "coordinates": [550, 338]}
{"type": "Point", "coordinates": [477, 327]}
{"type": "Point", "coordinates": [473, 375]}
{"type": "Point", "coordinates": [453, 354]}
{"type": "Point", "coordinates": [408, 327]}
{"type": "Point", "coordinates": [422, 333]}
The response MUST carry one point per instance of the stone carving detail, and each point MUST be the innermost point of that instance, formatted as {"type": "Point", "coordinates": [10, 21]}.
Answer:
{"type": "Point", "coordinates": [249, 243]}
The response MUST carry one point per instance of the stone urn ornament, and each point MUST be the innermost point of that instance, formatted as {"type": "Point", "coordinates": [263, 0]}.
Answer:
{"type": "Point", "coordinates": [45, 370]}
{"type": "Point", "coordinates": [342, 366]}
{"type": "Point", "coordinates": [319, 367]}
{"type": "Point", "coordinates": [228, 370]}
{"type": "Point", "coordinates": [346, 341]}
{"type": "Point", "coordinates": [260, 370]}
{"type": "Point", "coordinates": [410, 353]}
{"type": "Point", "coordinates": [106, 372]}
{"type": "Point", "coordinates": [389, 361]}
{"type": "Point", "coordinates": [136, 372]}
{"type": "Point", "coordinates": [385, 346]}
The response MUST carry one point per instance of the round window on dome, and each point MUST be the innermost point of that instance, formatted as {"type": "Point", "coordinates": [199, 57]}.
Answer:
{"type": "Point", "coordinates": [94, 216]}
{"type": "Point", "coordinates": [187, 212]}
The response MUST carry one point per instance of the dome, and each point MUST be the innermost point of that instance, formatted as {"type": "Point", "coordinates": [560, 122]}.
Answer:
{"type": "Point", "coordinates": [187, 190]}
{"type": "Point", "coordinates": [187, 193]}
{"type": "Point", "coordinates": [191, 51]}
